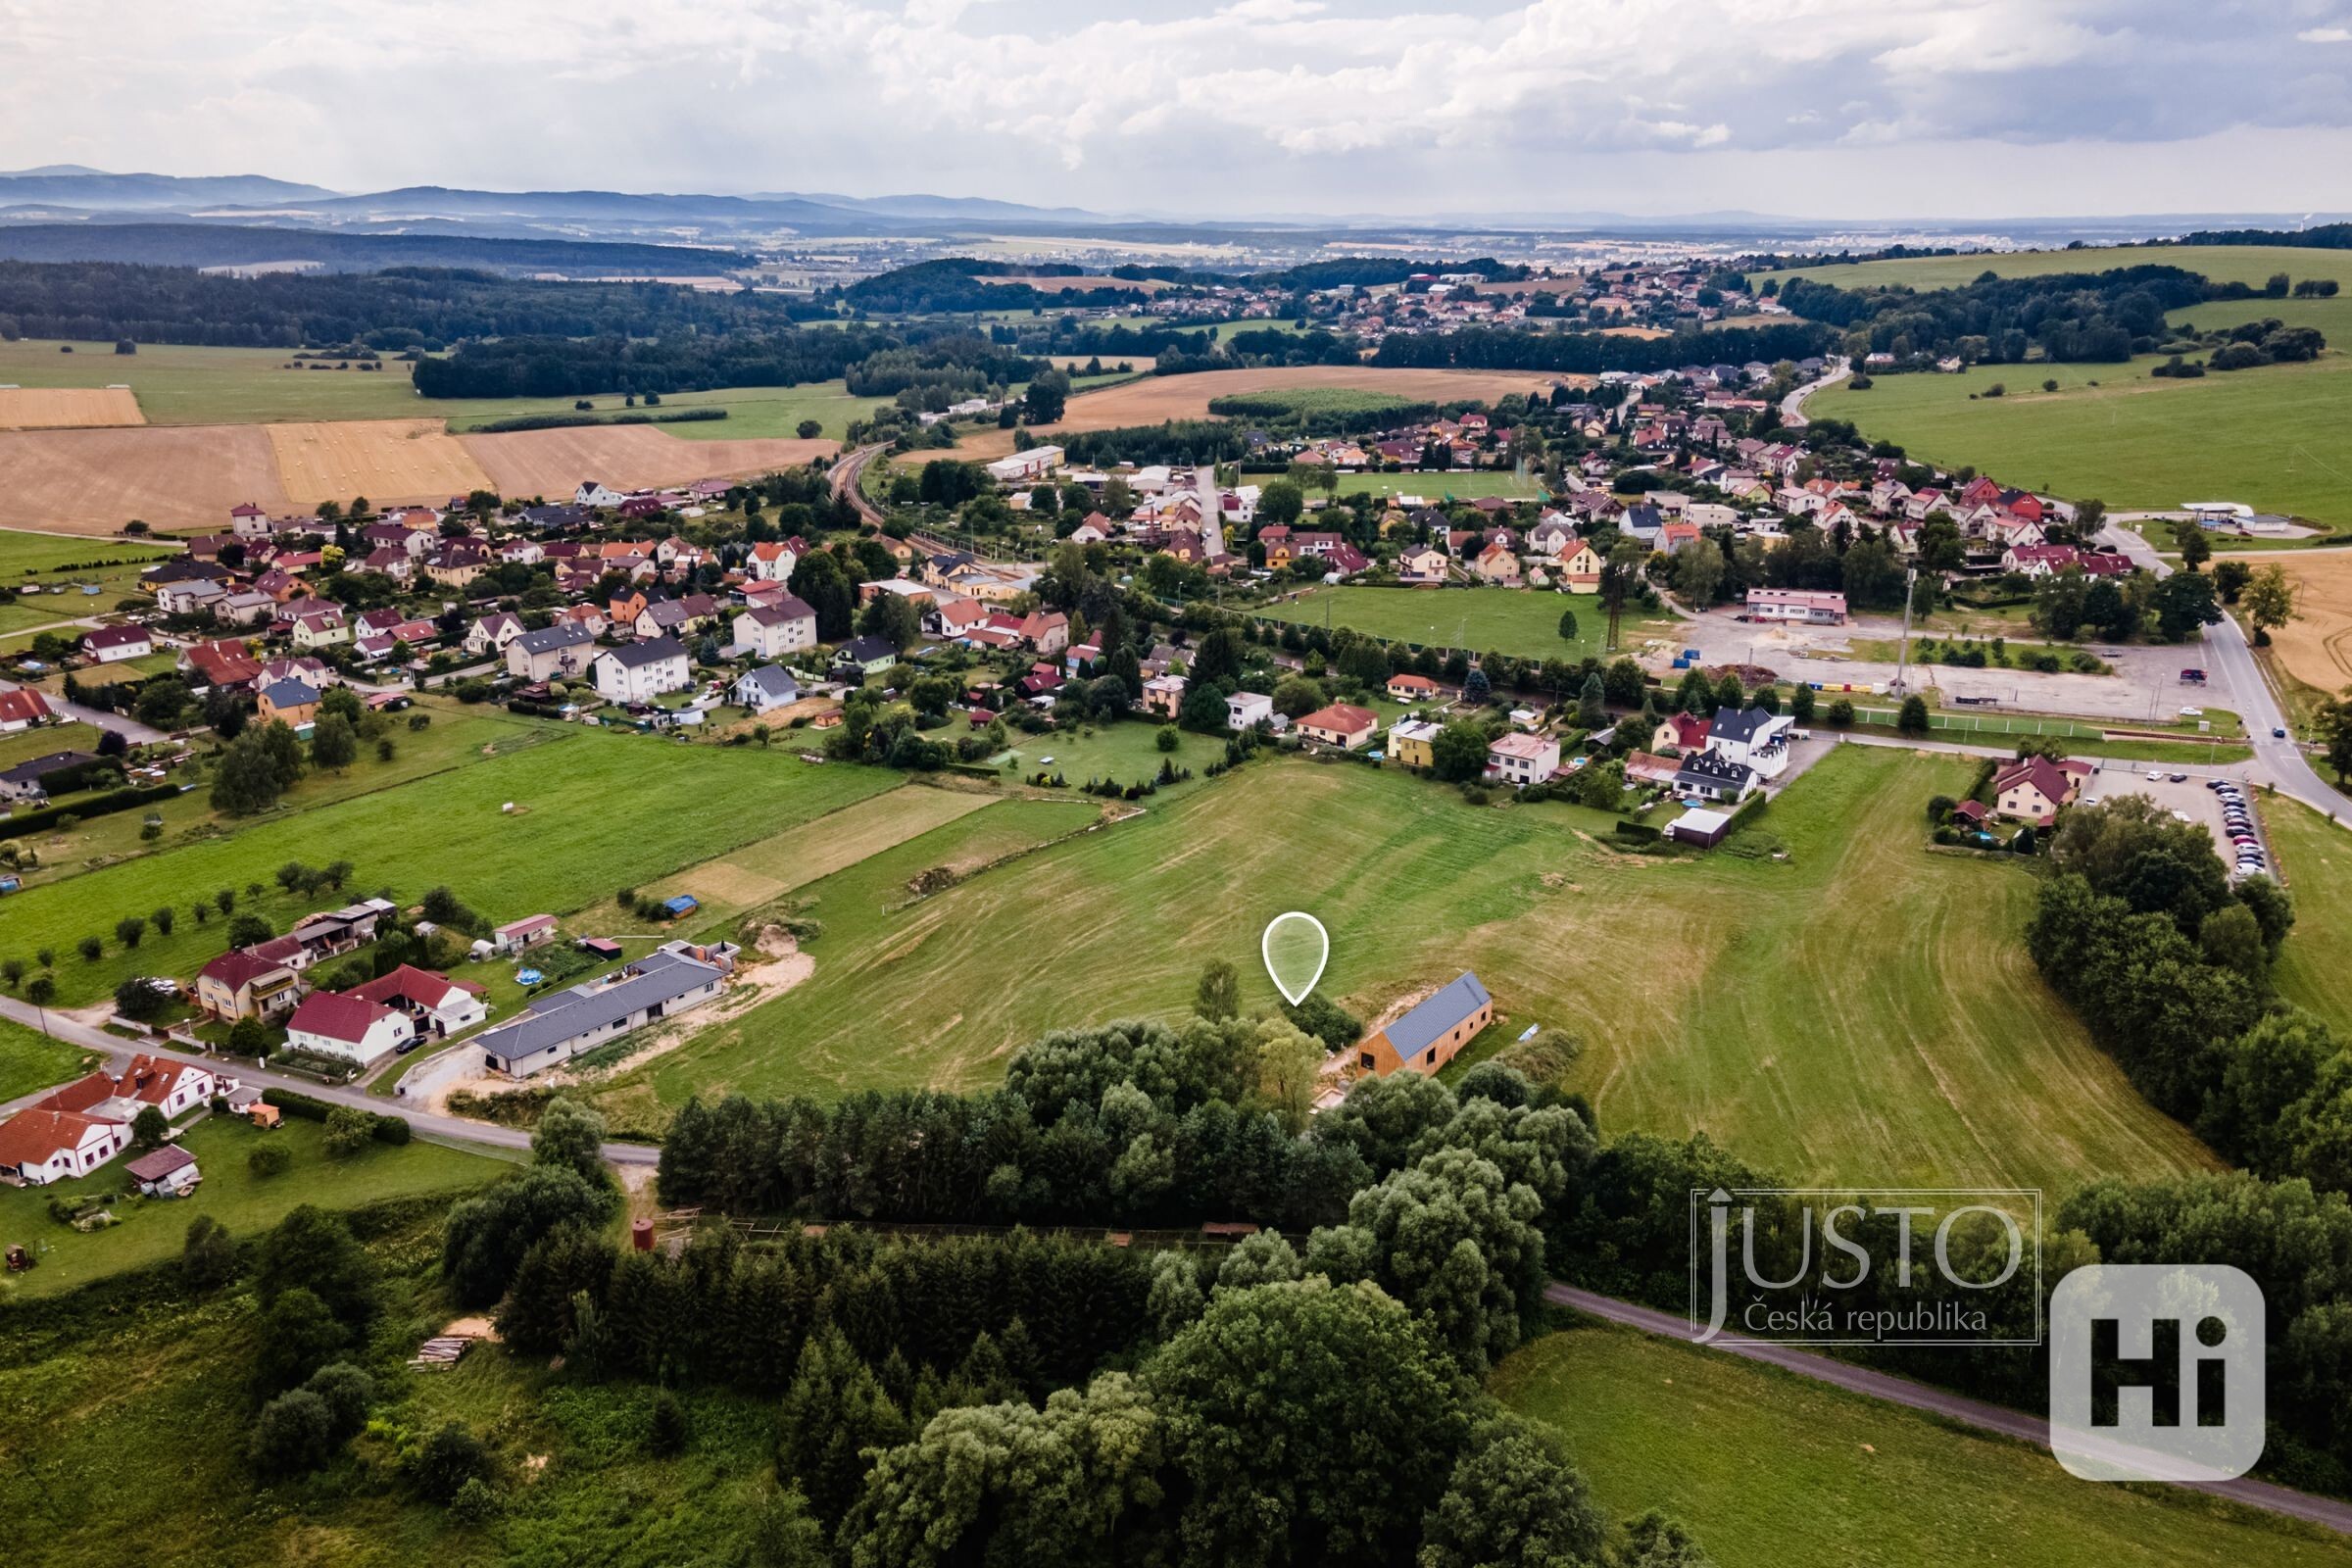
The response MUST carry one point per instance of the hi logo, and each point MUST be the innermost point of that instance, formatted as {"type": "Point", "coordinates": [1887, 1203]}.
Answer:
{"type": "Point", "coordinates": [2156, 1372]}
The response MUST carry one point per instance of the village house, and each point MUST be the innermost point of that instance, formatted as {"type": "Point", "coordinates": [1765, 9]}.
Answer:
{"type": "Point", "coordinates": [1432, 1033]}
{"type": "Point", "coordinates": [1411, 742]}
{"type": "Point", "coordinates": [550, 651]}
{"type": "Point", "coordinates": [436, 1004]}
{"type": "Point", "coordinates": [1248, 709]}
{"type": "Point", "coordinates": [639, 673]}
{"type": "Point", "coordinates": [291, 702]}
{"type": "Point", "coordinates": [1753, 738]}
{"type": "Point", "coordinates": [1407, 687]}
{"type": "Point", "coordinates": [492, 633]}
{"type": "Point", "coordinates": [1047, 631]}
{"type": "Point", "coordinates": [1164, 696]}
{"type": "Point", "coordinates": [80, 1126]}
{"type": "Point", "coordinates": [245, 983]}
{"type": "Point", "coordinates": [776, 628]}
{"type": "Point", "coordinates": [22, 709]}
{"type": "Point", "coordinates": [2032, 789]}
{"type": "Point", "coordinates": [772, 560]}
{"type": "Point", "coordinates": [331, 1023]}
{"type": "Point", "coordinates": [1520, 760]}
{"type": "Point", "coordinates": [531, 931]}
{"type": "Point", "coordinates": [861, 656]}
{"type": "Point", "coordinates": [1711, 775]}
{"type": "Point", "coordinates": [321, 628]}
{"type": "Point", "coordinates": [1341, 725]}
{"type": "Point", "coordinates": [111, 645]}
{"type": "Point", "coordinates": [764, 687]}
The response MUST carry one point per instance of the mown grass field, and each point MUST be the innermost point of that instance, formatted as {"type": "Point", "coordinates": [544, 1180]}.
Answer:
{"type": "Point", "coordinates": [1469, 484]}
{"type": "Point", "coordinates": [2314, 855]}
{"type": "Point", "coordinates": [1769, 1470]}
{"type": "Point", "coordinates": [2251, 265]}
{"type": "Point", "coordinates": [594, 813]}
{"type": "Point", "coordinates": [2270, 437]}
{"type": "Point", "coordinates": [1863, 1011]}
{"type": "Point", "coordinates": [181, 384]}
{"type": "Point", "coordinates": [51, 562]}
{"type": "Point", "coordinates": [1522, 623]}
{"type": "Point", "coordinates": [456, 737]}
{"type": "Point", "coordinates": [154, 1229]}
{"type": "Point", "coordinates": [30, 1061]}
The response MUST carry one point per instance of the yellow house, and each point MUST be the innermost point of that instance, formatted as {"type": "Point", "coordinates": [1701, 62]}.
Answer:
{"type": "Point", "coordinates": [1409, 742]}
{"type": "Point", "coordinates": [1579, 569]}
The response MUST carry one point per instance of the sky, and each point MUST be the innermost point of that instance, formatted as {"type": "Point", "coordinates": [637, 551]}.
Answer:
{"type": "Point", "coordinates": [1859, 109]}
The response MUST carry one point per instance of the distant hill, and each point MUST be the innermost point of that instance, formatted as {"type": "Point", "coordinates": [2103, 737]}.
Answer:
{"type": "Point", "coordinates": [227, 245]}
{"type": "Point", "coordinates": [96, 190]}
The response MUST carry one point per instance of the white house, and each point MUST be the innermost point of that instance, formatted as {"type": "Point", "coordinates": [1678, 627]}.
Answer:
{"type": "Point", "coordinates": [332, 1023]}
{"type": "Point", "coordinates": [111, 645]}
{"type": "Point", "coordinates": [492, 633]}
{"type": "Point", "coordinates": [772, 560]}
{"type": "Point", "coordinates": [433, 1002]}
{"type": "Point", "coordinates": [593, 494]}
{"type": "Point", "coordinates": [38, 1146]}
{"type": "Point", "coordinates": [639, 673]}
{"type": "Point", "coordinates": [1520, 760]}
{"type": "Point", "coordinates": [1754, 738]}
{"type": "Point", "coordinates": [777, 628]}
{"type": "Point", "coordinates": [767, 687]}
{"type": "Point", "coordinates": [1244, 710]}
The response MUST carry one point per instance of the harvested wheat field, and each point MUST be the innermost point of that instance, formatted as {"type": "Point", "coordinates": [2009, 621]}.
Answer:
{"type": "Point", "coordinates": [383, 460]}
{"type": "Point", "coordinates": [94, 481]}
{"type": "Point", "coordinates": [627, 456]}
{"type": "Point", "coordinates": [66, 408]}
{"type": "Point", "coordinates": [2317, 646]}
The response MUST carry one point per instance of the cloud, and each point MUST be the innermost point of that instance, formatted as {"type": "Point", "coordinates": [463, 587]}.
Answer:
{"type": "Point", "coordinates": [1146, 103]}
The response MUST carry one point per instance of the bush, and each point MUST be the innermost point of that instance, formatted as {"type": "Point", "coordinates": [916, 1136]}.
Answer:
{"type": "Point", "coordinates": [270, 1159]}
{"type": "Point", "coordinates": [666, 1432]}
{"type": "Point", "coordinates": [349, 1130]}
{"type": "Point", "coordinates": [208, 1258]}
{"type": "Point", "coordinates": [477, 1501]}
{"type": "Point", "coordinates": [347, 1392]}
{"type": "Point", "coordinates": [450, 1458]}
{"type": "Point", "coordinates": [290, 1436]}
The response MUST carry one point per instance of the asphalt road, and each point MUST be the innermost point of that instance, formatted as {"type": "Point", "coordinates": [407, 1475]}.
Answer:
{"type": "Point", "coordinates": [448, 1129]}
{"type": "Point", "coordinates": [1892, 1389]}
{"type": "Point", "coordinates": [2234, 680]}
{"type": "Point", "coordinates": [1792, 407]}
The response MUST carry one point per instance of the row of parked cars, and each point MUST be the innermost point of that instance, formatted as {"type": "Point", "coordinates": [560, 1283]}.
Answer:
{"type": "Point", "coordinates": [2238, 821]}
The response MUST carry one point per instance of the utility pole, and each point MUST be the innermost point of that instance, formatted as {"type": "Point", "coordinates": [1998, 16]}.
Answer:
{"type": "Point", "coordinates": [1903, 650]}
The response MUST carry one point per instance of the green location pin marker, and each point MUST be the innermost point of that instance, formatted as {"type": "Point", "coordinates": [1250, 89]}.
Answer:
{"type": "Point", "coordinates": [1296, 946]}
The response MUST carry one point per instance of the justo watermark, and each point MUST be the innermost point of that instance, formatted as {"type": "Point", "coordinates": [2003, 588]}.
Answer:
{"type": "Point", "coordinates": [1892, 1266]}
{"type": "Point", "coordinates": [2156, 1372]}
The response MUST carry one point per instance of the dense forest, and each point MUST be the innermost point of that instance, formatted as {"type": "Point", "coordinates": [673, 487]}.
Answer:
{"type": "Point", "coordinates": [395, 309]}
{"type": "Point", "coordinates": [1591, 353]}
{"type": "Point", "coordinates": [2317, 237]}
{"type": "Point", "coordinates": [218, 245]}
{"type": "Point", "coordinates": [2105, 316]}
{"type": "Point", "coordinates": [875, 363]}
{"type": "Point", "coordinates": [960, 283]}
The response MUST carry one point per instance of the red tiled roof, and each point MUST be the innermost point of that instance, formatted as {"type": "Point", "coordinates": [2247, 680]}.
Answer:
{"type": "Point", "coordinates": [34, 1137]}
{"type": "Point", "coordinates": [337, 1016]}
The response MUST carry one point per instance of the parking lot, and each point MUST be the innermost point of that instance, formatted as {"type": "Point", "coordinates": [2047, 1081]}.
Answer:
{"type": "Point", "coordinates": [2183, 793]}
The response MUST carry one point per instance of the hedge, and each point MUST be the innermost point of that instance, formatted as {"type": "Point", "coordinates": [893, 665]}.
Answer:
{"type": "Point", "coordinates": [122, 799]}
{"type": "Point", "coordinates": [385, 1129]}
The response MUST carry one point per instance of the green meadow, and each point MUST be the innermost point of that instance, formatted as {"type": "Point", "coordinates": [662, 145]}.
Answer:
{"type": "Point", "coordinates": [2270, 437]}
{"type": "Point", "coordinates": [183, 384]}
{"type": "Point", "coordinates": [593, 812]}
{"type": "Point", "coordinates": [2250, 264]}
{"type": "Point", "coordinates": [150, 1230]}
{"type": "Point", "coordinates": [1524, 623]}
{"type": "Point", "coordinates": [1771, 1470]}
{"type": "Point", "coordinates": [1860, 1009]}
